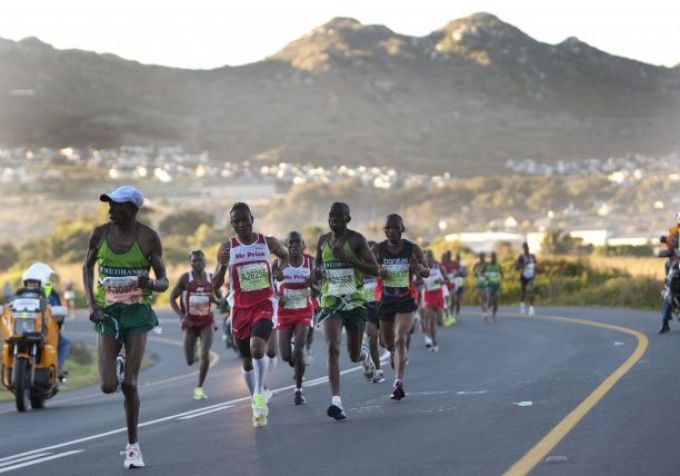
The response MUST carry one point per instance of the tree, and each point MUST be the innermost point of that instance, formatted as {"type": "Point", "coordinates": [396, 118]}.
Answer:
{"type": "Point", "coordinates": [8, 255]}
{"type": "Point", "coordinates": [184, 223]}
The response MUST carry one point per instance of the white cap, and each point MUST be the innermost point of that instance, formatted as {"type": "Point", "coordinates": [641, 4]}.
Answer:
{"type": "Point", "coordinates": [124, 194]}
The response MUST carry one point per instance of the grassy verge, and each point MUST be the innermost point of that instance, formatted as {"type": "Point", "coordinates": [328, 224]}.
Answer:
{"type": "Point", "coordinates": [81, 365]}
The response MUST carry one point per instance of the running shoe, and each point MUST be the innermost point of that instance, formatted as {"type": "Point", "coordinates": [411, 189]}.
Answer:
{"type": "Point", "coordinates": [367, 364]}
{"type": "Point", "coordinates": [259, 422]}
{"type": "Point", "coordinates": [435, 348]}
{"type": "Point", "coordinates": [308, 358]}
{"type": "Point", "coordinates": [300, 398]}
{"type": "Point", "coordinates": [532, 311]}
{"type": "Point", "coordinates": [259, 405]}
{"type": "Point", "coordinates": [378, 376]}
{"type": "Point", "coordinates": [337, 412]}
{"type": "Point", "coordinates": [522, 308]}
{"type": "Point", "coordinates": [397, 391]}
{"type": "Point", "coordinates": [133, 457]}
{"type": "Point", "coordinates": [428, 342]}
{"type": "Point", "coordinates": [199, 394]}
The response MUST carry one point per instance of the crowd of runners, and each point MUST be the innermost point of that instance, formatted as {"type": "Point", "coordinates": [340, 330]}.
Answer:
{"type": "Point", "coordinates": [378, 292]}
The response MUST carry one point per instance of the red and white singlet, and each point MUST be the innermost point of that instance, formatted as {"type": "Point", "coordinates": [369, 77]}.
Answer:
{"type": "Point", "coordinates": [250, 274]}
{"type": "Point", "coordinates": [295, 303]}
{"type": "Point", "coordinates": [196, 300]}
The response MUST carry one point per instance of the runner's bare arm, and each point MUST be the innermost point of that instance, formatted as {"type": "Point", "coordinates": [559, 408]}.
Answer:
{"type": "Point", "coordinates": [278, 250]}
{"type": "Point", "coordinates": [160, 283]}
{"type": "Point", "coordinates": [222, 265]}
{"type": "Point", "coordinates": [366, 260]}
{"type": "Point", "coordinates": [176, 293]}
{"type": "Point", "coordinates": [421, 270]}
{"type": "Point", "coordinates": [88, 273]}
{"type": "Point", "coordinates": [318, 261]}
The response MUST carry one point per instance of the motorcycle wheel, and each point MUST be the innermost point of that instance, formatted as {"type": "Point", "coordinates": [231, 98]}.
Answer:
{"type": "Point", "coordinates": [22, 384]}
{"type": "Point", "coordinates": [37, 402]}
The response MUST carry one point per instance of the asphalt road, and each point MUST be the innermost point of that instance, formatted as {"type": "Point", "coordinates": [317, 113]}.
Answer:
{"type": "Point", "coordinates": [597, 398]}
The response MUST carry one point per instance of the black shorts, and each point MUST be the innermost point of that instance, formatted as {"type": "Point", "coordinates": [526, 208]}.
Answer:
{"type": "Point", "coordinates": [372, 312]}
{"type": "Point", "coordinates": [526, 281]}
{"type": "Point", "coordinates": [387, 310]}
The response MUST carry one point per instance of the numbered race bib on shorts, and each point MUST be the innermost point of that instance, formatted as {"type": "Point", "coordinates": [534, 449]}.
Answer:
{"type": "Point", "coordinates": [397, 276]}
{"type": "Point", "coordinates": [199, 305]}
{"type": "Point", "coordinates": [253, 277]}
{"type": "Point", "coordinates": [341, 281]}
{"type": "Point", "coordinates": [295, 298]}
{"type": "Point", "coordinates": [121, 290]}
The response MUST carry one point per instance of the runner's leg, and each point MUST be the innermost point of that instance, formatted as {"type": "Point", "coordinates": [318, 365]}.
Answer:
{"type": "Point", "coordinates": [206, 344]}
{"type": "Point", "coordinates": [284, 336]}
{"type": "Point", "coordinates": [190, 338]}
{"type": "Point", "coordinates": [134, 353]}
{"type": "Point", "coordinates": [372, 335]}
{"type": "Point", "coordinates": [300, 335]}
{"type": "Point", "coordinates": [108, 350]}
{"type": "Point", "coordinates": [402, 325]}
{"type": "Point", "coordinates": [332, 329]}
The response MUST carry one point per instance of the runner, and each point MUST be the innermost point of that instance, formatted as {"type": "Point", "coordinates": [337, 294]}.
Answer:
{"type": "Point", "coordinates": [195, 315]}
{"type": "Point", "coordinates": [448, 267]}
{"type": "Point", "coordinates": [493, 274]}
{"type": "Point", "coordinates": [246, 258]}
{"type": "Point", "coordinates": [459, 273]}
{"type": "Point", "coordinates": [296, 311]}
{"type": "Point", "coordinates": [478, 270]}
{"type": "Point", "coordinates": [372, 325]}
{"type": "Point", "coordinates": [433, 300]}
{"type": "Point", "coordinates": [399, 261]}
{"type": "Point", "coordinates": [527, 264]}
{"type": "Point", "coordinates": [342, 258]}
{"type": "Point", "coordinates": [124, 251]}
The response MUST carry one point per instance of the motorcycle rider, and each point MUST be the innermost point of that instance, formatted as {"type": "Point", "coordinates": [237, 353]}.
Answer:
{"type": "Point", "coordinates": [672, 242]}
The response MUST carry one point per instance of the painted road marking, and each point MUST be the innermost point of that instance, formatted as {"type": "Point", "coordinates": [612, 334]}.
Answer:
{"type": "Point", "coordinates": [189, 417]}
{"type": "Point", "coordinates": [40, 460]}
{"type": "Point", "coordinates": [11, 460]}
{"type": "Point", "coordinates": [178, 416]}
{"type": "Point", "coordinates": [540, 450]}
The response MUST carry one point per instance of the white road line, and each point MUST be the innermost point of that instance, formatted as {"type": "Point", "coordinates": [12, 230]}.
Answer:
{"type": "Point", "coordinates": [177, 416]}
{"type": "Point", "coordinates": [11, 460]}
{"type": "Point", "coordinates": [189, 417]}
{"type": "Point", "coordinates": [41, 460]}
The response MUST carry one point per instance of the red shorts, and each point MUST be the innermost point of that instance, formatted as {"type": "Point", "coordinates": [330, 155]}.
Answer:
{"type": "Point", "coordinates": [244, 318]}
{"type": "Point", "coordinates": [433, 299]}
{"type": "Point", "coordinates": [283, 322]}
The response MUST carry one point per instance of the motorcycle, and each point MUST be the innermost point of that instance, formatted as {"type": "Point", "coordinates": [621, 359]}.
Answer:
{"type": "Point", "coordinates": [30, 332]}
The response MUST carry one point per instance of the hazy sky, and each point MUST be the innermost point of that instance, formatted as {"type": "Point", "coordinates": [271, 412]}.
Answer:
{"type": "Point", "coordinates": [212, 33]}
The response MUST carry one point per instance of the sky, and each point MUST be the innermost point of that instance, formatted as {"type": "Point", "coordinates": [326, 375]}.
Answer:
{"type": "Point", "coordinates": [209, 33]}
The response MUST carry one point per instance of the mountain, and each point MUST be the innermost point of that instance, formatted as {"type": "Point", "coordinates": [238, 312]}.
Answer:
{"type": "Point", "coordinates": [462, 99]}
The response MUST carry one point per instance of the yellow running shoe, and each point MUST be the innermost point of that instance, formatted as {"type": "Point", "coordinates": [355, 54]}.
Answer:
{"type": "Point", "coordinates": [199, 394]}
{"type": "Point", "coordinates": [259, 405]}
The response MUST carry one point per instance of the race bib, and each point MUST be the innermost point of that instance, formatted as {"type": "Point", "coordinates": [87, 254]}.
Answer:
{"type": "Point", "coordinates": [432, 284]}
{"type": "Point", "coordinates": [458, 282]}
{"type": "Point", "coordinates": [341, 281]}
{"type": "Point", "coordinates": [494, 277]}
{"type": "Point", "coordinates": [253, 277]}
{"type": "Point", "coordinates": [397, 276]}
{"type": "Point", "coordinates": [295, 298]}
{"type": "Point", "coordinates": [529, 270]}
{"type": "Point", "coordinates": [199, 305]}
{"type": "Point", "coordinates": [121, 290]}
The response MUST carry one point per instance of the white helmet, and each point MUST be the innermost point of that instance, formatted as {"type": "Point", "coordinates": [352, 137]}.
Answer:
{"type": "Point", "coordinates": [37, 272]}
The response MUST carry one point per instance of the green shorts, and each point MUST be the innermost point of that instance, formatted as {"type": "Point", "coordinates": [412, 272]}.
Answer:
{"type": "Point", "coordinates": [354, 320]}
{"type": "Point", "coordinates": [493, 289]}
{"type": "Point", "coordinates": [122, 320]}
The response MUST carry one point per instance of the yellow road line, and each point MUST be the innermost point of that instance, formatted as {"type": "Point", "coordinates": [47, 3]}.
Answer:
{"type": "Point", "coordinates": [541, 449]}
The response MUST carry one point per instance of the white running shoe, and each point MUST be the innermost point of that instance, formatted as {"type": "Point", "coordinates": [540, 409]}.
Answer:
{"type": "Point", "coordinates": [532, 311]}
{"type": "Point", "coordinates": [428, 342]}
{"type": "Point", "coordinates": [133, 457]}
{"type": "Point", "coordinates": [435, 348]}
{"type": "Point", "coordinates": [522, 308]}
{"type": "Point", "coordinates": [309, 360]}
